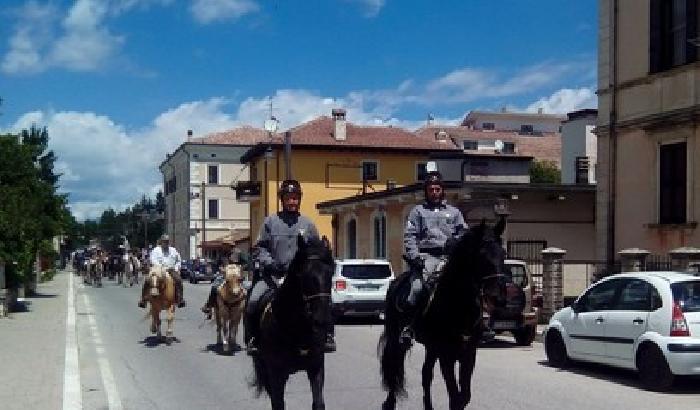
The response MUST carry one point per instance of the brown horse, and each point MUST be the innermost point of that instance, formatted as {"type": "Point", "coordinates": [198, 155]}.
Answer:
{"type": "Point", "coordinates": [230, 305]}
{"type": "Point", "coordinates": [161, 297]}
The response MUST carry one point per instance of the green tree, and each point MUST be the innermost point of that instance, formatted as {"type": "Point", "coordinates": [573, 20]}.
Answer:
{"type": "Point", "coordinates": [544, 172]}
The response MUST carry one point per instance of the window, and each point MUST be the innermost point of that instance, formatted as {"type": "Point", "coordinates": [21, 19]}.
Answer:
{"type": "Point", "coordinates": [635, 295]}
{"type": "Point", "coordinates": [509, 148]}
{"type": "Point", "coordinates": [470, 145]}
{"type": "Point", "coordinates": [421, 171]}
{"type": "Point", "coordinates": [213, 208]}
{"type": "Point", "coordinates": [379, 225]}
{"type": "Point", "coordinates": [582, 165]}
{"type": "Point", "coordinates": [370, 171]}
{"type": "Point", "coordinates": [478, 167]}
{"type": "Point", "coordinates": [527, 129]}
{"type": "Point", "coordinates": [687, 294]}
{"type": "Point", "coordinates": [488, 126]}
{"type": "Point", "coordinates": [672, 33]}
{"type": "Point", "coordinates": [672, 183]}
{"type": "Point", "coordinates": [213, 174]}
{"type": "Point", "coordinates": [366, 271]}
{"type": "Point", "coordinates": [351, 238]}
{"type": "Point", "coordinates": [600, 297]}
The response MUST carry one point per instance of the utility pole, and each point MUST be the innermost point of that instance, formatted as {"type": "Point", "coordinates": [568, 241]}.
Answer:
{"type": "Point", "coordinates": [203, 200]}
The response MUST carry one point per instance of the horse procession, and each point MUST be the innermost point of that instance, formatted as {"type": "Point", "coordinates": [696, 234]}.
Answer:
{"type": "Point", "coordinates": [454, 270]}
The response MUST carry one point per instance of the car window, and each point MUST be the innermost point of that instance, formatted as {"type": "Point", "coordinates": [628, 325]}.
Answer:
{"type": "Point", "coordinates": [635, 294]}
{"type": "Point", "coordinates": [517, 275]}
{"type": "Point", "coordinates": [600, 297]}
{"type": "Point", "coordinates": [687, 294]}
{"type": "Point", "coordinates": [366, 271]}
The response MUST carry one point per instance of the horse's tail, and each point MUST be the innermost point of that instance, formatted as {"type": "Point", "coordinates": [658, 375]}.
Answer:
{"type": "Point", "coordinates": [391, 353]}
{"type": "Point", "coordinates": [260, 376]}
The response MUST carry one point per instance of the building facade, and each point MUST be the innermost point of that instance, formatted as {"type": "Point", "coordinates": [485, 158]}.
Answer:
{"type": "Point", "coordinates": [520, 122]}
{"type": "Point", "coordinates": [579, 150]}
{"type": "Point", "coordinates": [648, 144]}
{"type": "Point", "coordinates": [333, 159]}
{"type": "Point", "coordinates": [201, 207]}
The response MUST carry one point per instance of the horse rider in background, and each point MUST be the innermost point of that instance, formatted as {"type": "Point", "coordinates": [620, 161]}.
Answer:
{"type": "Point", "coordinates": [432, 229]}
{"type": "Point", "coordinates": [168, 257]}
{"type": "Point", "coordinates": [273, 252]}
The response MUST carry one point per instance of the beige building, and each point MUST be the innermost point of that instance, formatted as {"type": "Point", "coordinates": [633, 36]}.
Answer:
{"type": "Point", "coordinates": [200, 204]}
{"type": "Point", "coordinates": [648, 146]}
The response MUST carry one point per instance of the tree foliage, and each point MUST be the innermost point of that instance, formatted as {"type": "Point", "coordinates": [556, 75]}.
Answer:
{"type": "Point", "coordinates": [544, 172]}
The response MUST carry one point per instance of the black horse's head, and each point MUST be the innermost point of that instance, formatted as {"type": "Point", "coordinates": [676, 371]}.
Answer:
{"type": "Point", "coordinates": [480, 255]}
{"type": "Point", "coordinates": [313, 265]}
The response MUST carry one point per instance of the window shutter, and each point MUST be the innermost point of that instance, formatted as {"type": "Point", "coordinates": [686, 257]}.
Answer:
{"type": "Point", "coordinates": [655, 37]}
{"type": "Point", "coordinates": [691, 27]}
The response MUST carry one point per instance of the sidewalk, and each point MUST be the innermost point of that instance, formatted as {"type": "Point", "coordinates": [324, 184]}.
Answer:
{"type": "Point", "coordinates": [32, 349]}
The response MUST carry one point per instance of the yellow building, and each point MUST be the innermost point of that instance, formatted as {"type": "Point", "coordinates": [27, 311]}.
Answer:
{"type": "Point", "coordinates": [334, 159]}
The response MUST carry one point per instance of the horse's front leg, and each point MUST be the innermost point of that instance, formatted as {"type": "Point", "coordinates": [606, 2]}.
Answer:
{"type": "Point", "coordinates": [466, 370]}
{"type": "Point", "coordinates": [316, 378]}
{"type": "Point", "coordinates": [277, 380]}
{"type": "Point", "coordinates": [427, 373]}
{"type": "Point", "coordinates": [171, 319]}
{"type": "Point", "coordinates": [219, 325]}
{"type": "Point", "coordinates": [447, 366]}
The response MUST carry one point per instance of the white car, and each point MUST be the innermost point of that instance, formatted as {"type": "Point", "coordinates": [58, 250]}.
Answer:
{"type": "Point", "coordinates": [644, 321]}
{"type": "Point", "coordinates": [359, 286]}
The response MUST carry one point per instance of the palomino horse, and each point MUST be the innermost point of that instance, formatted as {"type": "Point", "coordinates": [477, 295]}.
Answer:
{"type": "Point", "coordinates": [449, 322]}
{"type": "Point", "coordinates": [293, 326]}
{"type": "Point", "coordinates": [161, 296]}
{"type": "Point", "coordinates": [132, 271]}
{"type": "Point", "coordinates": [230, 305]}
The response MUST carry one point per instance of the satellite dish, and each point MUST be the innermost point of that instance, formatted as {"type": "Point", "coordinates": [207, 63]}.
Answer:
{"type": "Point", "coordinates": [499, 145]}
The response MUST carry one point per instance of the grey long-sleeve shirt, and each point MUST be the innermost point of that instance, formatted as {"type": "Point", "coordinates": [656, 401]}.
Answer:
{"type": "Point", "coordinates": [277, 242]}
{"type": "Point", "coordinates": [429, 226]}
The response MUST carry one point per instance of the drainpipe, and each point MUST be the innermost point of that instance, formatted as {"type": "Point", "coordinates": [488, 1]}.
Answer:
{"type": "Point", "coordinates": [612, 137]}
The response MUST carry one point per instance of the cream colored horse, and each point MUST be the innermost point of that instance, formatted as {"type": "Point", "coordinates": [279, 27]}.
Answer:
{"type": "Point", "coordinates": [161, 297]}
{"type": "Point", "coordinates": [230, 305]}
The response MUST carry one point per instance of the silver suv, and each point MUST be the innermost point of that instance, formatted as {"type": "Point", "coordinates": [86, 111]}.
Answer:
{"type": "Point", "coordinates": [360, 286]}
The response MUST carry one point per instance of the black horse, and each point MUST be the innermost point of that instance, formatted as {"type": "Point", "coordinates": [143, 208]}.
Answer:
{"type": "Point", "coordinates": [450, 323]}
{"type": "Point", "coordinates": [293, 325]}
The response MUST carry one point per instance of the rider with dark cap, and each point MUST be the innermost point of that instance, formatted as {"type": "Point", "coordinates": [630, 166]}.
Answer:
{"type": "Point", "coordinates": [432, 229]}
{"type": "Point", "coordinates": [273, 252]}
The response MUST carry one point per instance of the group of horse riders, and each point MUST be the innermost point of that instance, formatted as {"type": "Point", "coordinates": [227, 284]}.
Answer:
{"type": "Point", "coordinates": [98, 261]}
{"type": "Point", "coordinates": [432, 229]}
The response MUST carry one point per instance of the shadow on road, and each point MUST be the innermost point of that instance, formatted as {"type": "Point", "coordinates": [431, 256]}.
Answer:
{"type": "Point", "coordinates": [42, 296]}
{"type": "Point", "coordinates": [155, 341]}
{"type": "Point", "coordinates": [629, 378]}
{"type": "Point", "coordinates": [359, 321]}
{"type": "Point", "coordinates": [219, 349]}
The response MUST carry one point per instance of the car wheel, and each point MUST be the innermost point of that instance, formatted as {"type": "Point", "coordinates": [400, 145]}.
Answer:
{"type": "Point", "coordinates": [654, 372]}
{"type": "Point", "coordinates": [525, 335]}
{"type": "Point", "coordinates": [556, 350]}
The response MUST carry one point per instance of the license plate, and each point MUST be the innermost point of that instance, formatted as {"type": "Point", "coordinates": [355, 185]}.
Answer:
{"type": "Point", "coordinates": [503, 324]}
{"type": "Point", "coordinates": [368, 287]}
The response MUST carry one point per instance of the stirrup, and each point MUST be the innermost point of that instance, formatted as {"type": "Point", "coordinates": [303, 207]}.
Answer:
{"type": "Point", "coordinates": [142, 304]}
{"type": "Point", "coordinates": [329, 346]}
{"type": "Point", "coordinates": [407, 336]}
{"type": "Point", "coordinates": [251, 347]}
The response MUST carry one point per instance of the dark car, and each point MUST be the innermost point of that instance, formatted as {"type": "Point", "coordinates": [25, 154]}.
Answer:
{"type": "Point", "coordinates": [186, 269]}
{"type": "Point", "coordinates": [203, 270]}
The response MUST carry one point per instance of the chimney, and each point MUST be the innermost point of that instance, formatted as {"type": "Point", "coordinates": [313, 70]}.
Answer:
{"type": "Point", "coordinates": [189, 135]}
{"type": "Point", "coordinates": [540, 110]}
{"type": "Point", "coordinates": [504, 109]}
{"type": "Point", "coordinates": [339, 132]}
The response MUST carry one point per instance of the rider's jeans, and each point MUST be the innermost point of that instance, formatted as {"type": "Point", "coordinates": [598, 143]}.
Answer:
{"type": "Point", "coordinates": [256, 293]}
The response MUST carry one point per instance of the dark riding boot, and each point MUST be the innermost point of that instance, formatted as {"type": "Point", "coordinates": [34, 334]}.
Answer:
{"type": "Point", "coordinates": [144, 293]}
{"type": "Point", "coordinates": [250, 324]}
{"type": "Point", "coordinates": [211, 302]}
{"type": "Point", "coordinates": [179, 293]}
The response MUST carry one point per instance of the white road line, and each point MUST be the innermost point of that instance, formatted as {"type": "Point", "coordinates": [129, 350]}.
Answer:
{"type": "Point", "coordinates": [113, 400]}
{"type": "Point", "coordinates": [72, 398]}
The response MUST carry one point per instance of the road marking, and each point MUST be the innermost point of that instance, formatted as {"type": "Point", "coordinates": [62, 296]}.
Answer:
{"type": "Point", "coordinates": [113, 400]}
{"type": "Point", "coordinates": [72, 398]}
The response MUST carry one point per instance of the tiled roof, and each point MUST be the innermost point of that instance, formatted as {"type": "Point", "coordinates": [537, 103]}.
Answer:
{"type": "Point", "coordinates": [320, 131]}
{"type": "Point", "coordinates": [246, 135]}
{"type": "Point", "coordinates": [541, 146]}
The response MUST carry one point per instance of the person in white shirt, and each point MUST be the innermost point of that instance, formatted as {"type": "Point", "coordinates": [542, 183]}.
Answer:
{"type": "Point", "coordinates": [168, 257]}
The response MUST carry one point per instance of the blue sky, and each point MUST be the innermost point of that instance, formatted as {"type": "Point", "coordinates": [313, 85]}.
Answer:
{"type": "Point", "coordinates": [118, 82]}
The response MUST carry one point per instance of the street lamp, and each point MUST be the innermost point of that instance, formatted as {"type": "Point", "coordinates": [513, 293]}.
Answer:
{"type": "Point", "coordinates": [271, 126]}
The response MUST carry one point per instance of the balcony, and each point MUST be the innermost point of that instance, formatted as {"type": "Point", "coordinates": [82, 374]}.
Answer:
{"type": "Point", "coordinates": [247, 191]}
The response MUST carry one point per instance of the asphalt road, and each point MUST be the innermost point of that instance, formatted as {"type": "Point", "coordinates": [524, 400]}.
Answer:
{"type": "Point", "coordinates": [120, 368]}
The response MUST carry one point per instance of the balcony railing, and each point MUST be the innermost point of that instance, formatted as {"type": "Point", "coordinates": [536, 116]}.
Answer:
{"type": "Point", "coordinates": [247, 191]}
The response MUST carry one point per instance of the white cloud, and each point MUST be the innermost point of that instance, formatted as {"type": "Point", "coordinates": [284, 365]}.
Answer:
{"type": "Point", "coordinates": [566, 100]}
{"type": "Point", "coordinates": [26, 44]}
{"type": "Point", "coordinates": [371, 7]}
{"type": "Point", "coordinates": [209, 11]}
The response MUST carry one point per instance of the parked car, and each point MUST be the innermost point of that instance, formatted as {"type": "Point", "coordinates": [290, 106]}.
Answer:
{"type": "Point", "coordinates": [519, 315]}
{"type": "Point", "coordinates": [203, 270]}
{"type": "Point", "coordinates": [360, 286]}
{"type": "Point", "coordinates": [644, 321]}
{"type": "Point", "coordinates": [186, 268]}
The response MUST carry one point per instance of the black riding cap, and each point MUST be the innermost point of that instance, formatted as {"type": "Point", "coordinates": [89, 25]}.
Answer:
{"type": "Point", "coordinates": [290, 186]}
{"type": "Point", "coordinates": [432, 178]}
